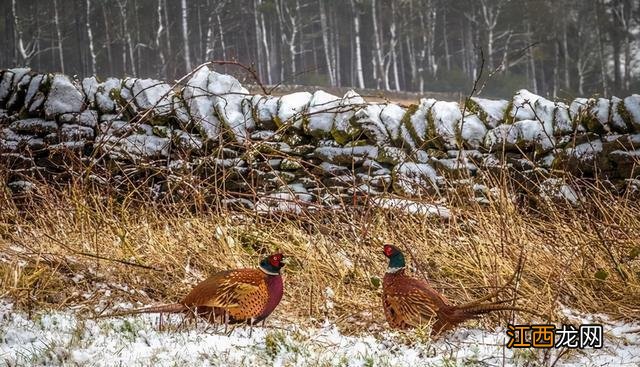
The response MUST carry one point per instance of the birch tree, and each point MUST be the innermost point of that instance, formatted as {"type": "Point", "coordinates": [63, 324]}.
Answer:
{"type": "Point", "coordinates": [185, 35]}
{"type": "Point", "coordinates": [356, 30]}
{"type": "Point", "coordinates": [92, 52]}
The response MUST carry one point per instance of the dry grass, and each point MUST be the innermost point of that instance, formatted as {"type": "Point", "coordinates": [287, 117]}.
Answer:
{"type": "Point", "coordinates": [74, 247]}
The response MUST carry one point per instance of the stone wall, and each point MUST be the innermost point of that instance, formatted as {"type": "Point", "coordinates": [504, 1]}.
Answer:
{"type": "Point", "coordinates": [300, 149]}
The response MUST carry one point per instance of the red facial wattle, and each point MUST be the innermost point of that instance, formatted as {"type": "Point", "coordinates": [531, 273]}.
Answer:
{"type": "Point", "coordinates": [276, 261]}
{"type": "Point", "coordinates": [388, 250]}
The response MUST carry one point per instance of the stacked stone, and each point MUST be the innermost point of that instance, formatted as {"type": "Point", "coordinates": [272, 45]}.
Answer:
{"type": "Point", "coordinates": [300, 149]}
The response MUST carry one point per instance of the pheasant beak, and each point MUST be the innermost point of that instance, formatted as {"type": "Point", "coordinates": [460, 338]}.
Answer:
{"type": "Point", "coordinates": [284, 261]}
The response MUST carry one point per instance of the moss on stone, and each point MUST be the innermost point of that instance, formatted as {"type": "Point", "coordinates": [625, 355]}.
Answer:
{"type": "Point", "coordinates": [625, 115]}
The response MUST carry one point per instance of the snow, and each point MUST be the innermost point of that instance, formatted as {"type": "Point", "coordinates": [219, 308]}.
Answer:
{"type": "Point", "coordinates": [88, 118]}
{"type": "Point", "coordinates": [412, 207]}
{"type": "Point", "coordinates": [35, 126]}
{"type": "Point", "coordinates": [89, 88]}
{"type": "Point", "coordinates": [34, 85]}
{"type": "Point", "coordinates": [368, 119]}
{"type": "Point", "coordinates": [321, 112]}
{"type": "Point", "coordinates": [521, 134]}
{"type": "Point", "coordinates": [601, 111]}
{"type": "Point", "coordinates": [103, 99]}
{"type": "Point", "coordinates": [200, 106]}
{"type": "Point", "coordinates": [345, 154]}
{"type": "Point", "coordinates": [134, 146]}
{"type": "Point", "coordinates": [342, 128]}
{"type": "Point", "coordinates": [586, 151]}
{"type": "Point", "coordinates": [72, 132]}
{"type": "Point", "coordinates": [413, 178]}
{"type": "Point", "coordinates": [391, 116]}
{"type": "Point", "coordinates": [562, 121]}
{"type": "Point", "coordinates": [472, 131]}
{"type": "Point", "coordinates": [290, 106]}
{"type": "Point", "coordinates": [9, 80]}
{"type": "Point", "coordinates": [64, 97]}
{"type": "Point", "coordinates": [150, 94]}
{"type": "Point", "coordinates": [494, 109]}
{"type": "Point", "coordinates": [266, 107]}
{"type": "Point", "coordinates": [632, 105]}
{"type": "Point", "coordinates": [418, 121]}
{"type": "Point", "coordinates": [281, 202]}
{"type": "Point", "coordinates": [446, 116]}
{"type": "Point", "coordinates": [523, 101]}
{"type": "Point", "coordinates": [579, 105]}
{"type": "Point", "coordinates": [5, 84]}
{"type": "Point", "coordinates": [61, 338]}
{"type": "Point", "coordinates": [554, 189]}
{"type": "Point", "coordinates": [228, 96]}
{"type": "Point", "coordinates": [617, 123]}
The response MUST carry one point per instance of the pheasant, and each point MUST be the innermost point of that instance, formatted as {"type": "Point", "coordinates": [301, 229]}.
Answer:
{"type": "Point", "coordinates": [231, 296]}
{"type": "Point", "coordinates": [410, 302]}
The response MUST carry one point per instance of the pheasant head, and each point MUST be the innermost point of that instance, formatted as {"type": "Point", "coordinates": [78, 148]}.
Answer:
{"type": "Point", "coordinates": [396, 258]}
{"type": "Point", "coordinates": [272, 264]}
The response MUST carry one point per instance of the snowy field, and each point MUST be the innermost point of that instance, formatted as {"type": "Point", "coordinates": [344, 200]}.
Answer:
{"type": "Point", "coordinates": [59, 338]}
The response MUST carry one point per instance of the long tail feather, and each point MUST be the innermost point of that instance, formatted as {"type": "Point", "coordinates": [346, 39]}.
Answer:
{"type": "Point", "coordinates": [168, 308]}
{"type": "Point", "coordinates": [479, 309]}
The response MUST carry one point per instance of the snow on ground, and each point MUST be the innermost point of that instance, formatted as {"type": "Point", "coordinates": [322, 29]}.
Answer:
{"type": "Point", "coordinates": [60, 338]}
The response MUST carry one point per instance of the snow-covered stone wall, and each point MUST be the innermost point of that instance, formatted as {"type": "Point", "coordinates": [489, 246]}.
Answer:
{"type": "Point", "coordinates": [314, 148]}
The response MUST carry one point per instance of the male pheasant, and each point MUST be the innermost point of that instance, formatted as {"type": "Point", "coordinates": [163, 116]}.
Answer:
{"type": "Point", "coordinates": [231, 296]}
{"type": "Point", "coordinates": [410, 302]}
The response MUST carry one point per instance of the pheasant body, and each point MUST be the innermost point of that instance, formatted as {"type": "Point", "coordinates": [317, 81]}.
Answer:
{"type": "Point", "coordinates": [242, 295]}
{"type": "Point", "coordinates": [410, 302]}
{"type": "Point", "coordinates": [232, 296]}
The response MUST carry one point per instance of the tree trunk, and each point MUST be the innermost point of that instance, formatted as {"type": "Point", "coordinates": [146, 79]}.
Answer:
{"type": "Point", "coordinates": [445, 39]}
{"type": "Point", "coordinates": [327, 47]}
{"type": "Point", "coordinates": [56, 21]}
{"type": "Point", "coordinates": [259, 55]}
{"type": "Point", "coordinates": [356, 28]}
{"type": "Point", "coordinates": [107, 37]}
{"type": "Point", "coordinates": [556, 61]}
{"type": "Point", "coordinates": [603, 64]}
{"type": "Point", "coordinates": [565, 50]}
{"type": "Point", "coordinates": [185, 36]}
{"type": "Point", "coordinates": [393, 44]}
{"type": "Point", "coordinates": [265, 43]}
{"type": "Point", "coordinates": [532, 61]}
{"type": "Point", "coordinates": [378, 48]}
{"type": "Point", "coordinates": [92, 52]}
{"type": "Point", "coordinates": [223, 46]}
{"type": "Point", "coordinates": [158, 45]}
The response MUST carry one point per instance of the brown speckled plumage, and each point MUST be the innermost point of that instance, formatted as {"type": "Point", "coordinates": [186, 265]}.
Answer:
{"type": "Point", "coordinates": [231, 296]}
{"type": "Point", "coordinates": [242, 293]}
{"type": "Point", "coordinates": [410, 302]}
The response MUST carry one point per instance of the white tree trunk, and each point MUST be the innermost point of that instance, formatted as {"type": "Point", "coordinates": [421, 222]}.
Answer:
{"type": "Point", "coordinates": [445, 37]}
{"type": "Point", "coordinates": [158, 39]}
{"type": "Point", "coordinates": [223, 46]}
{"type": "Point", "coordinates": [92, 52]}
{"type": "Point", "coordinates": [28, 51]}
{"type": "Point", "coordinates": [259, 54]}
{"type": "Point", "coordinates": [125, 24]}
{"type": "Point", "coordinates": [394, 43]}
{"type": "Point", "coordinates": [532, 62]}
{"type": "Point", "coordinates": [185, 36]}
{"type": "Point", "coordinates": [266, 46]}
{"type": "Point", "coordinates": [356, 28]}
{"type": "Point", "coordinates": [379, 59]}
{"type": "Point", "coordinates": [326, 43]}
{"type": "Point", "coordinates": [490, 17]}
{"type": "Point", "coordinates": [210, 42]}
{"type": "Point", "coordinates": [56, 21]}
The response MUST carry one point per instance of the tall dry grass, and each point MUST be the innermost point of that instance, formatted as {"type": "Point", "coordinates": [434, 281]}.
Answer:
{"type": "Point", "coordinates": [77, 247]}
